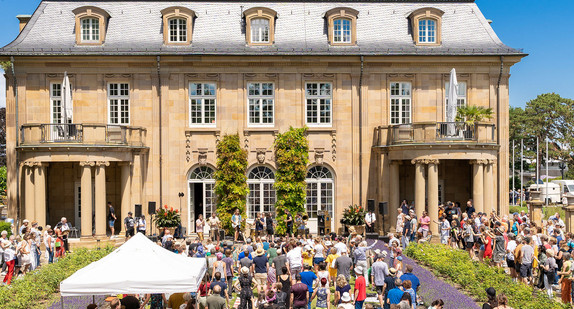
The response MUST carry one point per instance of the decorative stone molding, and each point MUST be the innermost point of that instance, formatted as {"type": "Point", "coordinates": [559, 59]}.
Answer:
{"type": "Point", "coordinates": [102, 163]}
{"type": "Point", "coordinates": [480, 162]}
{"type": "Point", "coordinates": [87, 163]}
{"type": "Point", "coordinates": [187, 146]}
{"type": "Point", "coordinates": [319, 155]}
{"type": "Point", "coordinates": [334, 145]}
{"type": "Point", "coordinates": [433, 161]}
{"type": "Point", "coordinates": [261, 155]}
{"type": "Point", "coordinates": [202, 156]}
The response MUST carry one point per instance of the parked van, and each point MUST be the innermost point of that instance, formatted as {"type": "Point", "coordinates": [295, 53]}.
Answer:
{"type": "Point", "coordinates": [566, 188]}
{"type": "Point", "coordinates": [553, 195]}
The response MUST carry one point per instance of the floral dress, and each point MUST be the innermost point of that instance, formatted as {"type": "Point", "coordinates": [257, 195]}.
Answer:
{"type": "Point", "coordinates": [246, 292]}
{"type": "Point", "coordinates": [321, 298]}
{"type": "Point", "coordinates": [156, 301]}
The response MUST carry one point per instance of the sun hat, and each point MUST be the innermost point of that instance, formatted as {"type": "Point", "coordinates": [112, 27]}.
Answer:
{"type": "Point", "coordinates": [384, 254]}
{"type": "Point", "coordinates": [359, 270]}
{"type": "Point", "coordinates": [328, 243]}
{"type": "Point", "coordinates": [346, 297]}
{"type": "Point", "coordinates": [260, 251]}
{"type": "Point", "coordinates": [377, 251]}
{"type": "Point", "coordinates": [25, 221]}
{"type": "Point", "coordinates": [244, 270]}
{"type": "Point", "coordinates": [491, 292]}
{"type": "Point", "coordinates": [392, 270]}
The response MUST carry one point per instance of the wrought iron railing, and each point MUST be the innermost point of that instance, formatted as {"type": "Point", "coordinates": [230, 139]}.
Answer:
{"type": "Point", "coordinates": [89, 134]}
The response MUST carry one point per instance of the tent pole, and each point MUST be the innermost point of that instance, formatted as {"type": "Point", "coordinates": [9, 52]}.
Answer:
{"type": "Point", "coordinates": [93, 299]}
{"type": "Point", "coordinates": [62, 301]}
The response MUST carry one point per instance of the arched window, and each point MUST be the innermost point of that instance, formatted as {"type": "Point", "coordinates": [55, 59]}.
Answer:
{"type": "Point", "coordinates": [320, 191]}
{"type": "Point", "coordinates": [260, 30]}
{"type": "Point", "coordinates": [342, 30]}
{"type": "Point", "coordinates": [177, 30]}
{"type": "Point", "coordinates": [201, 194]}
{"type": "Point", "coordinates": [90, 25]}
{"type": "Point", "coordinates": [426, 25]}
{"type": "Point", "coordinates": [261, 191]}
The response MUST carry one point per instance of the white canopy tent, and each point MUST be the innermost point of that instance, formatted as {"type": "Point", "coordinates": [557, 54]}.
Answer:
{"type": "Point", "coordinates": [138, 266]}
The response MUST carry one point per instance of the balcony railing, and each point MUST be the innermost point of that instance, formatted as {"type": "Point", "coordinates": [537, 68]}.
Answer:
{"type": "Point", "coordinates": [436, 132]}
{"type": "Point", "coordinates": [82, 134]}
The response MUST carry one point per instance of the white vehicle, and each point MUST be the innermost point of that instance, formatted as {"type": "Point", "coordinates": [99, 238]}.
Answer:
{"type": "Point", "coordinates": [553, 195]}
{"type": "Point", "coordinates": [566, 188]}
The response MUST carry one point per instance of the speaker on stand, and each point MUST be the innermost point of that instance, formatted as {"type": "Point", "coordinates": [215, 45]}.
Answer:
{"type": "Point", "coordinates": [151, 212]}
{"type": "Point", "coordinates": [138, 210]}
{"type": "Point", "coordinates": [383, 210]}
{"type": "Point", "coordinates": [321, 224]}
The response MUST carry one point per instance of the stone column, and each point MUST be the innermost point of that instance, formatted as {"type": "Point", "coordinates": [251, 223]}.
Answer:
{"type": "Point", "coordinates": [394, 194]}
{"type": "Point", "coordinates": [125, 183]}
{"type": "Point", "coordinates": [100, 198]}
{"type": "Point", "coordinates": [433, 194]}
{"type": "Point", "coordinates": [478, 184]}
{"type": "Point", "coordinates": [489, 188]}
{"type": "Point", "coordinates": [419, 186]}
{"type": "Point", "coordinates": [86, 199]}
{"type": "Point", "coordinates": [28, 171]}
{"type": "Point", "coordinates": [40, 193]}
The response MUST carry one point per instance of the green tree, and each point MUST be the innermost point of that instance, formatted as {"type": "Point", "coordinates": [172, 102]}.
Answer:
{"type": "Point", "coordinates": [2, 180]}
{"type": "Point", "coordinates": [473, 114]}
{"type": "Point", "coordinates": [291, 157]}
{"type": "Point", "coordinates": [230, 180]}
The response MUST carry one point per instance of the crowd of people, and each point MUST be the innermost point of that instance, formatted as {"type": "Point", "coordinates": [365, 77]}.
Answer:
{"type": "Point", "coordinates": [536, 255]}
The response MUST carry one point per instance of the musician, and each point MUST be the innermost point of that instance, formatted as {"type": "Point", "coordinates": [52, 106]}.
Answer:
{"type": "Point", "coordinates": [370, 219]}
{"type": "Point", "coordinates": [62, 230]}
{"type": "Point", "coordinates": [236, 223]}
{"type": "Point", "coordinates": [214, 225]}
{"type": "Point", "coordinates": [142, 225]}
{"type": "Point", "coordinates": [289, 222]}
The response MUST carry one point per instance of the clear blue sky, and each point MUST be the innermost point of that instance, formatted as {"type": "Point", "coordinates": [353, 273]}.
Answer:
{"type": "Point", "coordinates": [541, 28]}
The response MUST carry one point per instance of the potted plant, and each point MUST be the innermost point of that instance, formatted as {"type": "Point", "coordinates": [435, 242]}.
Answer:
{"type": "Point", "coordinates": [167, 217]}
{"type": "Point", "coordinates": [470, 115]}
{"type": "Point", "coordinates": [354, 218]}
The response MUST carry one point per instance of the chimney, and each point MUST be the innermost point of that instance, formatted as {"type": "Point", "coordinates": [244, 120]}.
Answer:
{"type": "Point", "coordinates": [489, 21]}
{"type": "Point", "coordinates": [24, 19]}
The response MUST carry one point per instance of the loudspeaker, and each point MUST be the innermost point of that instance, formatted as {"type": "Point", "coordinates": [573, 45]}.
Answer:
{"type": "Point", "coordinates": [372, 236]}
{"type": "Point", "coordinates": [324, 231]}
{"type": "Point", "coordinates": [152, 238]}
{"type": "Point", "coordinates": [138, 210]}
{"type": "Point", "coordinates": [321, 221]}
{"type": "Point", "coordinates": [222, 235]}
{"type": "Point", "coordinates": [371, 205]}
{"type": "Point", "coordinates": [383, 208]}
{"type": "Point", "coordinates": [151, 208]}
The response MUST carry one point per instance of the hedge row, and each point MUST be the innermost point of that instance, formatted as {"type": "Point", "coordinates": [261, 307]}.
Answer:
{"type": "Point", "coordinates": [475, 277]}
{"type": "Point", "coordinates": [39, 286]}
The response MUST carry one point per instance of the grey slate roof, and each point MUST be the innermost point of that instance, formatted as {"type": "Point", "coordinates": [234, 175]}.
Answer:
{"type": "Point", "coordinates": [135, 28]}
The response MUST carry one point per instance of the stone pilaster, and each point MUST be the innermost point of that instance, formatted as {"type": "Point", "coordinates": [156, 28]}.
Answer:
{"type": "Point", "coordinates": [420, 186]}
{"type": "Point", "coordinates": [394, 194]}
{"type": "Point", "coordinates": [86, 199]}
{"type": "Point", "coordinates": [489, 187]}
{"type": "Point", "coordinates": [100, 198]}
{"type": "Point", "coordinates": [433, 194]}
{"type": "Point", "coordinates": [478, 184]}
{"type": "Point", "coordinates": [40, 193]}
{"type": "Point", "coordinates": [126, 180]}
{"type": "Point", "coordinates": [29, 208]}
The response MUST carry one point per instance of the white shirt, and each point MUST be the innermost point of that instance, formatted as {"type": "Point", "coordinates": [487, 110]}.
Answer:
{"type": "Point", "coordinates": [294, 257]}
{"type": "Point", "coordinates": [319, 251]}
{"type": "Point", "coordinates": [341, 247]}
{"type": "Point", "coordinates": [510, 248]}
{"type": "Point", "coordinates": [399, 227]}
{"type": "Point", "coordinates": [370, 217]}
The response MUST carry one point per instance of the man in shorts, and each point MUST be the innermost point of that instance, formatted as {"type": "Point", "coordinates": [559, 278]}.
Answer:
{"type": "Point", "coordinates": [111, 219]}
{"type": "Point", "coordinates": [130, 224]}
{"type": "Point", "coordinates": [468, 235]}
{"type": "Point", "coordinates": [527, 253]}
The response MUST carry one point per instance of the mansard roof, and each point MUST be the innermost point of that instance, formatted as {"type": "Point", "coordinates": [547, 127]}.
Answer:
{"type": "Point", "coordinates": [135, 28]}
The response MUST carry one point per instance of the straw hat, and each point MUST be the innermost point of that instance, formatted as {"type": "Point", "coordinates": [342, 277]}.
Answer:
{"type": "Point", "coordinates": [260, 251]}
{"type": "Point", "coordinates": [346, 297]}
{"type": "Point", "coordinates": [392, 270]}
{"type": "Point", "coordinates": [244, 270]}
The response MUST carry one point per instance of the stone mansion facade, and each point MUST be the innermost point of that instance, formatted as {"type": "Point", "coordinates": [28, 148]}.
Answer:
{"type": "Point", "coordinates": [156, 84]}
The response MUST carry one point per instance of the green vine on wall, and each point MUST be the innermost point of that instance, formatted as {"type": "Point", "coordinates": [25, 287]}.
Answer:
{"type": "Point", "coordinates": [230, 180]}
{"type": "Point", "coordinates": [291, 157]}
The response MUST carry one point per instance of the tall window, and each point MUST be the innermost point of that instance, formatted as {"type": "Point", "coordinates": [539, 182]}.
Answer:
{"type": "Point", "coordinates": [90, 30]}
{"type": "Point", "coordinates": [461, 94]}
{"type": "Point", "coordinates": [261, 191]}
{"type": "Point", "coordinates": [260, 98]}
{"type": "Point", "coordinates": [201, 104]}
{"type": "Point", "coordinates": [202, 191]}
{"type": "Point", "coordinates": [119, 103]}
{"type": "Point", "coordinates": [260, 30]}
{"type": "Point", "coordinates": [318, 103]}
{"type": "Point", "coordinates": [177, 30]}
{"type": "Point", "coordinates": [56, 102]}
{"type": "Point", "coordinates": [320, 194]}
{"type": "Point", "coordinates": [427, 31]}
{"type": "Point", "coordinates": [400, 103]}
{"type": "Point", "coordinates": [342, 30]}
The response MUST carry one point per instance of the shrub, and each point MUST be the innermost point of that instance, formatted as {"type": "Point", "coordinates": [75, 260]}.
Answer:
{"type": "Point", "coordinates": [230, 180]}
{"type": "Point", "coordinates": [6, 226]}
{"type": "Point", "coordinates": [292, 157]}
{"type": "Point", "coordinates": [41, 284]}
{"type": "Point", "coordinates": [475, 277]}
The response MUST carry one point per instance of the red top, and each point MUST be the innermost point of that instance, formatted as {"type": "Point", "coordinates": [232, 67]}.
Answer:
{"type": "Point", "coordinates": [361, 286]}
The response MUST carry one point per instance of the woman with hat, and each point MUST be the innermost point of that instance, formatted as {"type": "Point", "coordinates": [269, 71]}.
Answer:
{"type": "Point", "coordinates": [345, 302]}
{"type": "Point", "coordinates": [491, 302]}
{"type": "Point", "coordinates": [245, 284]}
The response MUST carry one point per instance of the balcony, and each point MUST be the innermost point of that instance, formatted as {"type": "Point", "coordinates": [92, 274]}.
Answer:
{"type": "Point", "coordinates": [49, 134]}
{"type": "Point", "coordinates": [436, 133]}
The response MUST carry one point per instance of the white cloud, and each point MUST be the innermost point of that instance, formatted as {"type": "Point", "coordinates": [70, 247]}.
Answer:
{"type": "Point", "coordinates": [2, 89]}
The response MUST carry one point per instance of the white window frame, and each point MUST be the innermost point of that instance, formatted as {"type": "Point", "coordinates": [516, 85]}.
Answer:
{"type": "Point", "coordinates": [119, 97]}
{"type": "Point", "coordinates": [462, 96]}
{"type": "Point", "coordinates": [53, 99]}
{"type": "Point", "coordinates": [202, 98]}
{"type": "Point", "coordinates": [260, 31]}
{"type": "Point", "coordinates": [259, 208]}
{"type": "Point", "coordinates": [341, 38]}
{"type": "Point", "coordinates": [401, 98]}
{"type": "Point", "coordinates": [319, 97]}
{"type": "Point", "coordinates": [319, 182]}
{"type": "Point", "coordinates": [259, 98]}
{"type": "Point", "coordinates": [93, 28]}
{"type": "Point", "coordinates": [424, 23]}
{"type": "Point", "coordinates": [181, 30]}
{"type": "Point", "coordinates": [208, 185]}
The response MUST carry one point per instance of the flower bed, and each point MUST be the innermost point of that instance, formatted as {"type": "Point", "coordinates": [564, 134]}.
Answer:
{"type": "Point", "coordinates": [40, 285]}
{"type": "Point", "coordinates": [476, 277]}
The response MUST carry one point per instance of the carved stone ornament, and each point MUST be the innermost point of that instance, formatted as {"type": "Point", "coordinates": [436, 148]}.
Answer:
{"type": "Point", "coordinates": [319, 153]}
{"type": "Point", "coordinates": [261, 155]}
{"type": "Point", "coordinates": [202, 156]}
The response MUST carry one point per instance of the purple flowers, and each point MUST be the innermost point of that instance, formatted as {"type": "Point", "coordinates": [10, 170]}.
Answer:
{"type": "Point", "coordinates": [78, 301]}
{"type": "Point", "coordinates": [433, 288]}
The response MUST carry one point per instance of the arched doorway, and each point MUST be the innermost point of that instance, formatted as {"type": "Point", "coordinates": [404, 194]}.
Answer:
{"type": "Point", "coordinates": [260, 180]}
{"type": "Point", "coordinates": [201, 192]}
{"type": "Point", "coordinates": [320, 195]}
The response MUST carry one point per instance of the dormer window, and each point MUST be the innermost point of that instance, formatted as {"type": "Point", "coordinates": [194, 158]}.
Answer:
{"type": "Point", "coordinates": [342, 24]}
{"type": "Point", "coordinates": [90, 25]}
{"type": "Point", "coordinates": [260, 30]}
{"type": "Point", "coordinates": [177, 25]}
{"type": "Point", "coordinates": [90, 30]}
{"type": "Point", "coordinates": [260, 26]}
{"type": "Point", "coordinates": [426, 25]}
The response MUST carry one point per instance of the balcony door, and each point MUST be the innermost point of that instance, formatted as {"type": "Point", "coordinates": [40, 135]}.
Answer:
{"type": "Point", "coordinates": [201, 193]}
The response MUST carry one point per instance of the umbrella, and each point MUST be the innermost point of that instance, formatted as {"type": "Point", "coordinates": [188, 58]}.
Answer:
{"type": "Point", "coordinates": [67, 103]}
{"type": "Point", "coordinates": [451, 104]}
